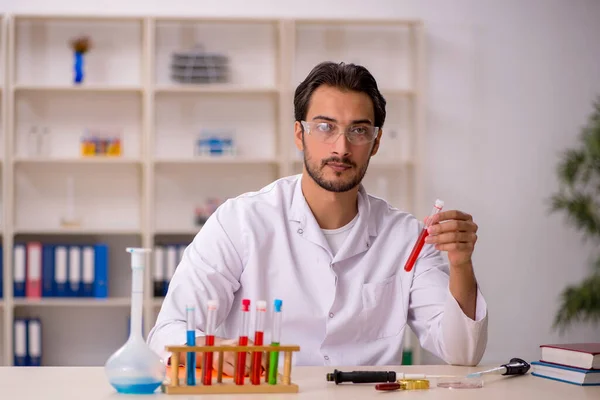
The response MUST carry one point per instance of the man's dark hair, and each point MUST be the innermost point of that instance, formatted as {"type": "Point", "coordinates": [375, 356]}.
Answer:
{"type": "Point", "coordinates": [344, 77]}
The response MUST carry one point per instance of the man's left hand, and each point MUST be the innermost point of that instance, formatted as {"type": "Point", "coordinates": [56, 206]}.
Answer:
{"type": "Point", "coordinates": [455, 232]}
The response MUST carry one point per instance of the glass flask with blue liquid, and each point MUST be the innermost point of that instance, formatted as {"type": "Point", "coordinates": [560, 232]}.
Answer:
{"type": "Point", "coordinates": [135, 368]}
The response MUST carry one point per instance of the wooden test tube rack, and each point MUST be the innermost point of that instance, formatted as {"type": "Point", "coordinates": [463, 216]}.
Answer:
{"type": "Point", "coordinates": [175, 385]}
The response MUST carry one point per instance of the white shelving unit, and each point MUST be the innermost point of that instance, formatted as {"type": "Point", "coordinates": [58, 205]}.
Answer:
{"type": "Point", "coordinates": [148, 195]}
{"type": "Point", "coordinates": [4, 306]}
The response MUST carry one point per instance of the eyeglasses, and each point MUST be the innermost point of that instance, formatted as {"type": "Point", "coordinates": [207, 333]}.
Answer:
{"type": "Point", "coordinates": [329, 132]}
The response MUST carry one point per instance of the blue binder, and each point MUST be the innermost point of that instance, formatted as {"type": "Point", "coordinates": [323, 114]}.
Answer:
{"type": "Point", "coordinates": [19, 269]}
{"type": "Point", "coordinates": [101, 270]}
{"type": "Point", "coordinates": [75, 286]}
{"type": "Point", "coordinates": [87, 270]}
{"type": "Point", "coordinates": [61, 270]}
{"type": "Point", "coordinates": [20, 342]}
{"type": "Point", "coordinates": [47, 270]}
{"type": "Point", "coordinates": [34, 342]}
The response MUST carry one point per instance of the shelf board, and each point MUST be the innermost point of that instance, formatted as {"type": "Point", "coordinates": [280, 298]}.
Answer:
{"type": "Point", "coordinates": [76, 231]}
{"type": "Point", "coordinates": [214, 19]}
{"type": "Point", "coordinates": [78, 18]}
{"type": "Point", "coordinates": [374, 163]}
{"type": "Point", "coordinates": [75, 160]}
{"type": "Point", "coordinates": [85, 88]}
{"type": "Point", "coordinates": [177, 232]}
{"type": "Point", "coordinates": [215, 160]}
{"type": "Point", "coordinates": [73, 302]}
{"type": "Point", "coordinates": [355, 21]}
{"type": "Point", "coordinates": [214, 88]}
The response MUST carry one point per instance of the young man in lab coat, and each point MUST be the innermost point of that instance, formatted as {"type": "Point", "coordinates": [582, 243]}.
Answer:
{"type": "Point", "coordinates": [331, 252]}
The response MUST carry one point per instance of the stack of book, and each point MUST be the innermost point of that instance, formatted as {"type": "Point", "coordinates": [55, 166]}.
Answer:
{"type": "Point", "coordinates": [575, 363]}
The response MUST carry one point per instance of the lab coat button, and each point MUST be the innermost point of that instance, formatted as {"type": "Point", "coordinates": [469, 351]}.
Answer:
{"type": "Point", "coordinates": [326, 357]}
{"type": "Point", "coordinates": [300, 231]}
{"type": "Point", "coordinates": [330, 315]}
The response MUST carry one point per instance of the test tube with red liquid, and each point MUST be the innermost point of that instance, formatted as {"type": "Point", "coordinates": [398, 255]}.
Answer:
{"type": "Point", "coordinates": [414, 254]}
{"type": "Point", "coordinates": [259, 328]}
{"type": "Point", "coordinates": [209, 340]}
{"type": "Point", "coordinates": [240, 372]}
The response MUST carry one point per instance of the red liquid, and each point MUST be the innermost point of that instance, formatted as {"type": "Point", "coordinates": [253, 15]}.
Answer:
{"type": "Point", "coordinates": [416, 250]}
{"type": "Point", "coordinates": [240, 373]}
{"type": "Point", "coordinates": [387, 386]}
{"type": "Point", "coordinates": [207, 361]}
{"type": "Point", "coordinates": [257, 359]}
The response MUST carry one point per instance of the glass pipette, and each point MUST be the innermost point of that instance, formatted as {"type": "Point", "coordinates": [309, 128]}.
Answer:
{"type": "Point", "coordinates": [439, 204]}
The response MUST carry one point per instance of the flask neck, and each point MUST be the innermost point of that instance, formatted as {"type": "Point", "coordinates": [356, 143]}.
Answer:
{"type": "Point", "coordinates": [137, 297]}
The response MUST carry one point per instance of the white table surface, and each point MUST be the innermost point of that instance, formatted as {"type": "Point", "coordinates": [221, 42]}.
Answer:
{"type": "Point", "coordinates": [90, 383]}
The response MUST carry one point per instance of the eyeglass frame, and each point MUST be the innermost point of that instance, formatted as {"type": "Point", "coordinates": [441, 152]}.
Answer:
{"type": "Point", "coordinates": [306, 126]}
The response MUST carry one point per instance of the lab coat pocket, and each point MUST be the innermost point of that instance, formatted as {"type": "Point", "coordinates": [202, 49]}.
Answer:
{"type": "Point", "coordinates": [383, 311]}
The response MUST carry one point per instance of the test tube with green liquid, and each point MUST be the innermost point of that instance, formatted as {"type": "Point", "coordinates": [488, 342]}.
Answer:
{"type": "Point", "coordinates": [275, 338]}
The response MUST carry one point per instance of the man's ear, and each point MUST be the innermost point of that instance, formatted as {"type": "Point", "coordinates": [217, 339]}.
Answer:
{"type": "Point", "coordinates": [376, 144]}
{"type": "Point", "coordinates": [298, 132]}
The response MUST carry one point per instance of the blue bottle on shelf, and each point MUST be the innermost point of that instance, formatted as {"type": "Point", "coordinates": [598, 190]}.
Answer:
{"type": "Point", "coordinates": [78, 66]}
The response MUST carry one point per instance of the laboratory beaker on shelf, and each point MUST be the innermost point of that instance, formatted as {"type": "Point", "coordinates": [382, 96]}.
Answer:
{"type": "Point", "coordinates": [135, 368]}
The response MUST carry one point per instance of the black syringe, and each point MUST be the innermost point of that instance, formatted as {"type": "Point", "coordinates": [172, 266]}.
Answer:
{"type": "Point", "coordinates": [361, 376]}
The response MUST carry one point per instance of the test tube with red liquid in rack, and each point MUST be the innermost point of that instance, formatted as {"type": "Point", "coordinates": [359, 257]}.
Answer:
{"type": "Point", "coordinates": [240, 372]}
{"type": "Point", "coordinates": [209, 340]}
{"type": "Point", "coordinates": [259, 329]}
{"type": "Point", "coordinates": [414, 254]}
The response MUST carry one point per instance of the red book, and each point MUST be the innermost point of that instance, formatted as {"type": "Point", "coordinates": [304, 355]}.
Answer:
{"type": "Point", "coordinates": [578, 355]}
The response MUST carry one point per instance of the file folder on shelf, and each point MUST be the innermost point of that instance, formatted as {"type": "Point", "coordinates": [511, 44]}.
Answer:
{"type": "Point", "coordinates": [19, 270]}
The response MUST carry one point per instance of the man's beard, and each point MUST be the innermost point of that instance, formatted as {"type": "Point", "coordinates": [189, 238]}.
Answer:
{"type": "Point", "coordinates": [316, 173]}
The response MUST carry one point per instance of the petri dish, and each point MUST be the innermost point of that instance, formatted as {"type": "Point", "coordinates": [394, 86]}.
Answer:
{"type": "Point", "coordinates": [460, 383]}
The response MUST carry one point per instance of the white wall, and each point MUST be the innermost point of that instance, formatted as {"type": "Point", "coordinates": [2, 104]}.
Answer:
{"type": "Point", "coordinates": [507, 79]}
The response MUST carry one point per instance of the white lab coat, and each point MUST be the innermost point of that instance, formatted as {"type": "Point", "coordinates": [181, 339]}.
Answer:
{"type": "Point", "coordinates": [351, 309]}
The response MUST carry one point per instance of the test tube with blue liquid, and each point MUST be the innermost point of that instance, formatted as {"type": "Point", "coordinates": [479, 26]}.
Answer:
{"type": "Point", "coordinates": [191, 341]}
{"type": "Point", "coordinates": [135, 368]}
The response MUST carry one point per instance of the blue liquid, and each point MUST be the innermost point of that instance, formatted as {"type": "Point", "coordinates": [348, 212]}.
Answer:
{"type": "Point", "coordinates": [136, 386]}
{"type": "Point", "coordinates": [191, 359]}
